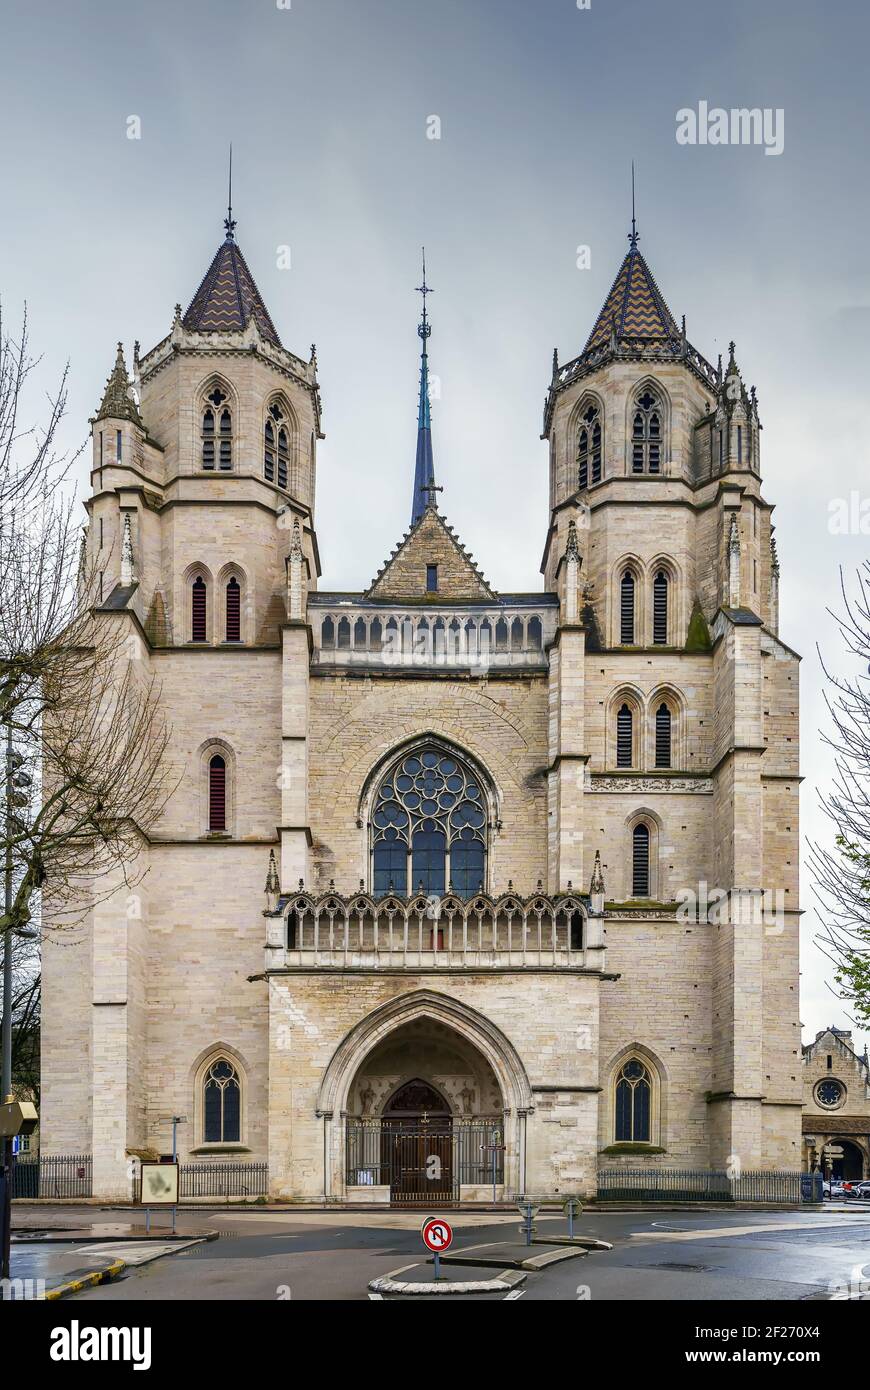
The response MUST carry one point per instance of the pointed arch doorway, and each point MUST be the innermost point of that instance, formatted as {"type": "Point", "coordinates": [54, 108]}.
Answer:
{"type": "Point", "coordinates": [417, 1144]}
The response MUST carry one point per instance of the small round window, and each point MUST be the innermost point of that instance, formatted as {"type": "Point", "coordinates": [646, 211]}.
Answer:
{"type": "Point", "coordinates": [830, 1092]}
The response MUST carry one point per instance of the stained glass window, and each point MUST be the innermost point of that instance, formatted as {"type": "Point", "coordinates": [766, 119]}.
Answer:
{"type": "Point", "coordinates": [221, 1104]}
{"type": "Point", "coordinates": [429, 826]}
{"type": "Point", "coordinates": [633, 1093]}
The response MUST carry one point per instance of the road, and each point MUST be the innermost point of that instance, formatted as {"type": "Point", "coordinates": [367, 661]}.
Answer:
{"type": "Point", "coordinates": [672, 1256]}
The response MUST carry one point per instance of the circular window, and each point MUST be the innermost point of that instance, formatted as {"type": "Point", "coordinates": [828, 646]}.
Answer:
{"type": "Point", "coordinates": [830, 1092]}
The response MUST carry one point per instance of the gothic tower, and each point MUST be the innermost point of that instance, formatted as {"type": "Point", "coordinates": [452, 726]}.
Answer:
{"type": "Point", "coordinates": [675, 699]}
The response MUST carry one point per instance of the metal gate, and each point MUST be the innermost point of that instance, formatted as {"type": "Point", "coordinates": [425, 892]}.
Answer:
{"type": "Point", "coordinates": [424, 1165]}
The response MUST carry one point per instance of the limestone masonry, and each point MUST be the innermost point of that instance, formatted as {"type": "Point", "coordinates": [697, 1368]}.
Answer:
{"type": "Point", "coordinates": [530, 860]}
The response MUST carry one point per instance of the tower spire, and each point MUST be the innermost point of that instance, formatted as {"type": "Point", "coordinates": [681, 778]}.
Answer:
{"type": "Point", "coordinates": [633, 236]}
{"type": "Point", "coordinates": [424, 468]}
{"type": "Point", "coordinates": [229, 224]}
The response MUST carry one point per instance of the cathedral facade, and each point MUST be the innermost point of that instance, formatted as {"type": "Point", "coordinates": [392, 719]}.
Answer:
{"type": "Point", "coordinates": [462, 894]}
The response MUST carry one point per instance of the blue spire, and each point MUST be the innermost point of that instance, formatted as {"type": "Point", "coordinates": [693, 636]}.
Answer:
{"type": "Point", "coordinates": [424, 469]}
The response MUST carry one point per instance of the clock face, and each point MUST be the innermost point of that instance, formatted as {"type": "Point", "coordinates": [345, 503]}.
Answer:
{"type": "Point", "coordinates": [829, 1092]}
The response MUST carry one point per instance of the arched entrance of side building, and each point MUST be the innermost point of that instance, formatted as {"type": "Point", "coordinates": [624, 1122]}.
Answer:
{"type": "Point", "coordinates": [434, 1111]}
{"type": "Point", "coordinates": [850, 1166]}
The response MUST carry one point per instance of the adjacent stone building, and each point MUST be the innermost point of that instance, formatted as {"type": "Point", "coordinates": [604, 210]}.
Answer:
{"type": "Point", "coordinates": [836, 1119]}
{"type": "Point", "coordinates": [530, 859]}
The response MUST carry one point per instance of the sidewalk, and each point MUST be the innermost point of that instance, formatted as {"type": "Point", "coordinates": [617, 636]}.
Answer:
{"type": "Point", "coordinates": [53, 1259]}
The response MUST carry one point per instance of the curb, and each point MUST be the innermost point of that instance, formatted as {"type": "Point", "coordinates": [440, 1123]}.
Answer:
{"type": "Point", "coordinates": [88, 1281]}
{"type": "Point", "coordinates": [386, 1283]}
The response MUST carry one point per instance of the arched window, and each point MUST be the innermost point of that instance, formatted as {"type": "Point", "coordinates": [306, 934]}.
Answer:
{"type": "Point", "coordinates": [217, 793]}
{"type": "Point", "coordinates": [646, 436]}
{"type": "Point", "coordinates": [198, 601]}
{"type": "Point", "coordinates": [633, 1107]}
{"type": "Point", "coordinates": [624, 737]}
{"type": "Point", "coordinates": [589, 447]}
{"type": "Point", "coordinates": [226, 441]}
{"type": "Point", "coordinates": [276, 446]}
{"type": "Point", "coordinates": [429, 825]}
{"type": "Point", "coordinates": [626, 609]}
{"type": "Point", "coordinates": [640, 877]}
{"type": "Point", "coordinates": [663, 736]}
{"type": "Point", "coordinates": [221, 1104]}
{"type": "Point", "coordinates": [217, 431]}
{"type": "Point", "coordinates": [660, 609]}
{"type": "Point", "coordinates": [234, 610]}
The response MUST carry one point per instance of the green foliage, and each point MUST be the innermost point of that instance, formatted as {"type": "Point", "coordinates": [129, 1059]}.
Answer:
{"type": "Point", "coordinates": [852, 972]}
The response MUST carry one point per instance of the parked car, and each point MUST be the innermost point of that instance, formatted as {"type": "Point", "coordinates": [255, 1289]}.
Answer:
{"type": "Point", "coordinates": [861, 1189]}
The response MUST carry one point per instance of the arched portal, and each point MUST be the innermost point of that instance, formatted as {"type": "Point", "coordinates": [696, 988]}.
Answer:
{"type": "Point", "coordinates": [848, 1167]}
{"type": "Point", "coordinates": [431, 1100]}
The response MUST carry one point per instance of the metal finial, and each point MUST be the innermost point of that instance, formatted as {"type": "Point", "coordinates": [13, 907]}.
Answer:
{"type": "Point", "coordinates": [633, 236]}
{"type": "Point", "coordinates": [229, 224]}
{"type": "Point", "coordinates": [424, 329]}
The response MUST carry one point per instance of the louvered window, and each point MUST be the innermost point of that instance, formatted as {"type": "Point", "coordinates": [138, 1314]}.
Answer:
{"type": "Point", "coordinates": [276, 453]}
{"type": "Point", "coordinates": [640, 861]}
{"type": "Point", "coordinates": [626, 609]}
{"type": "Point", "coordinates": [234, 611]}
{"type": "Point", "coordinates": [269, 453]}
{"type": "Point", "coordinates": [217, 793]}
{"type": "Point", "coordinates": [208, 439]}
{"type": "Point", "coordinates": [624, 737]}
{"type": "Point", "coordinates": [663, 736]}
{"type": "Point", "coordinates": [226, 441]}
{"type": "Point", "coordinates": [589, 448]}
{"type": "Point", "coordinates": [646, 438]}
{"type": "Point", "coordinates": [198, 593]}
{"type": "Point", "coordinates": [660, 609]}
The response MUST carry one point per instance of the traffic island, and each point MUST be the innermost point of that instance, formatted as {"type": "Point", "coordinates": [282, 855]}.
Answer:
{"type": "Point", "coordinates": [416, 1280]}
{"type": "Point", "coordinates": [507, 1255]}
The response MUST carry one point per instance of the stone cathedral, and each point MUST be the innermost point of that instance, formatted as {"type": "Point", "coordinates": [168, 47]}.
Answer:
{"type": "Point", "coordinates": [462, 894]}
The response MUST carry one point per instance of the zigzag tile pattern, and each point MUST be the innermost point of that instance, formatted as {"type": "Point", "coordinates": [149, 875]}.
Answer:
{"type": "Point", "coordinates": [635, 305]}
{"type": "Point", "coordinates": [227, 297]}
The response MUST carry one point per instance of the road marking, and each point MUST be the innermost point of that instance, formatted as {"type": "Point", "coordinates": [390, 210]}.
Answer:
{"type": "Point", "coordinates": [514, 1293]}
{"type": "Point", "coordinates": [714, 1232]}
{"type": "Point", "coordinates": [376, 1297]}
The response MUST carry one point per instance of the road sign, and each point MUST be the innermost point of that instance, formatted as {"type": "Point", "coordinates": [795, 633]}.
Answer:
{"type": "Point", "coordinates": [835, 1150]}
{"type": "Point", "coordinates": [437, 1234]}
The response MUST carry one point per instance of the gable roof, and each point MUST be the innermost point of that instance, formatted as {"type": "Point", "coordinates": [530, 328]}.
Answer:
{"type": "Point", "coordinates": [430, 542]}
{"type": "Point", "coordinates": [227, 298]}
{"type": "Point", "coordinates": [634, 306]}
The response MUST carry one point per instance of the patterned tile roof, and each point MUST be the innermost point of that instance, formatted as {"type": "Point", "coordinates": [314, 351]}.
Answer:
{"type": "Point", "coordinates": [227, 298]}
{"type": "Point", "coordinates": [634, 305]}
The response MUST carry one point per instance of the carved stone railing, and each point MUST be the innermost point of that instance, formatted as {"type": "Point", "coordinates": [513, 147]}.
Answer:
{"type": "Point", "coordinates": [358, 633]}
{"type": "Point", "coordinates": [361, 932]}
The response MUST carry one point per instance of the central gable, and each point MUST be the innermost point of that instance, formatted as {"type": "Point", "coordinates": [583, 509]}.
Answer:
{"type": "Point", "coordinates": [431, 542]}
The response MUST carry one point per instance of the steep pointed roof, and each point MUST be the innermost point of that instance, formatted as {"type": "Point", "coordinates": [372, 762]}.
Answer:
{"type": "Point", "coordinates": [634, 307]}
{"type": "Point", "coordinates": [430, 541]}
{"type": "Point", "coordinates": [119, 402]}
{"type": "Point", "coordinates": [228, 297]}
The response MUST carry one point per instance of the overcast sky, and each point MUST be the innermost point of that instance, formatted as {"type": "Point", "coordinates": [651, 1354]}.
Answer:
{"type": "Point", "coordinates": [542, 106]}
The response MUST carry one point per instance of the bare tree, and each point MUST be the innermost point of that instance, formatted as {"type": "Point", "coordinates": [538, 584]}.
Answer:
{"type": "Point", "coordinates": [842, 872]}
{"type": "Point", "coordinates": [82, 719]}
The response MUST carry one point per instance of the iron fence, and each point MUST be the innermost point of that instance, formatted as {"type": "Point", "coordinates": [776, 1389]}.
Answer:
{"type": "Point", "coordinates": [702, 1185]}
{"type": "Point", "coordinates": [223, 1180]}
{"type": "Point", "coordinates": [424, 1164]}
{"type": "Point", "coordinates": [52, 1175]}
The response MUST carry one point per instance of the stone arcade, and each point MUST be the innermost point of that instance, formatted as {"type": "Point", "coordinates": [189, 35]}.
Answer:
{"type": "Point", "coordinates": [473, 810]}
